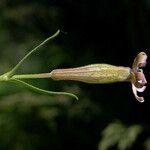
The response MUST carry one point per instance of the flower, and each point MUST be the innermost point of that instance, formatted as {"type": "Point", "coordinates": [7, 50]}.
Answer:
{"type": "Point", "coordinates": [106, 73]}
{"type": "Point", "coordinates": [138, 79]}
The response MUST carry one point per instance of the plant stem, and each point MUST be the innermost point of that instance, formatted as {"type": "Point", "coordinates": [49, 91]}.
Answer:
{"type": "Point", "coordinates": [13, 71]}
{"type": "Point", "coordinates": [31, 76]}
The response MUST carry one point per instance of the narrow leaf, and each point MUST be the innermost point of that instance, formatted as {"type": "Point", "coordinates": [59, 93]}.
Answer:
{"type": "Point", "coordinates": [41, 91]}
{"type": "Point", "coordinates": [13, 71]}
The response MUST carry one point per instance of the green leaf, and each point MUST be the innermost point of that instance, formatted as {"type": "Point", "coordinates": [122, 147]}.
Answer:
{"type": "Point", "coordinates": [13, 71]}
{"type": "Point", "coordinates": [41, 91]}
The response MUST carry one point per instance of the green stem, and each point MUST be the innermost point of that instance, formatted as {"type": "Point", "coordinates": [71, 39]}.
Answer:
{"type": "Point", "coordinates": [13, 71]}
{"type": "Point", "coordinates": [31, 76]}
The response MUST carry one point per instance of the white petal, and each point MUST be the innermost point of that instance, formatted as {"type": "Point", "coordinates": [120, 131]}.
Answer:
{"type": "Point", "coordinates": [140, 81]}
{"type": "Point", "coordinates": [134, 89]}
{"type": "Point", "coordinates": [141, 89]}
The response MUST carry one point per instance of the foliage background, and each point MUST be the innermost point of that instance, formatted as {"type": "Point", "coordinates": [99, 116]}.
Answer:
{"type": "Point", "coordinates": [100, 31]}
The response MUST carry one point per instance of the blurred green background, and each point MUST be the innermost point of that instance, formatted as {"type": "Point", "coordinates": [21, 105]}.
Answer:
{"type": "Point", "coordinates": [107, 117]}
